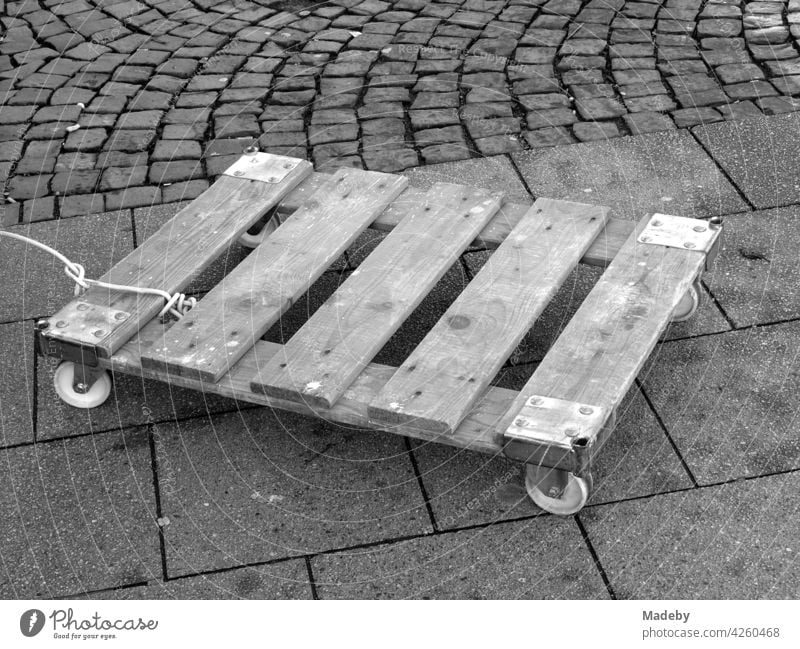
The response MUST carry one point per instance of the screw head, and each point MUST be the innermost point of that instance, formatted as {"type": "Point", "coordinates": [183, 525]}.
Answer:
{"type": "Point", "coordinates": [689, 245]}
{"type": "Point", "coordinates": [61, 324]}
{"type": "Point", "coordinates": [699, 228]}
{"type": "Point", "coordinates": [98, 333]}
{"type": "Point", "coordinates": [534, 401]}
{"type": "Point", "coordinates": [655, 223]}
{"type": "Point", "coordinates": [119, 316]}
{"type": "Point", "coordinates": [82, 306]}
{"type": "Point", "coordinates": [570, 432]}
{"type": "Point", "coordinates": [238, 173]}
{"type": "Point", "coordinates": [644, 239]}
{"type": "Point", "coordinates": [585, 410]}
{"type": "Point", "coordinates": [272, 179]}
{"type": "Point", "coordinates": [521, 422]}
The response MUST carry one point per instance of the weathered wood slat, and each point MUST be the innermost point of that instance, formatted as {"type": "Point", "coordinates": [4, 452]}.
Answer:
{"type": "Point", "coordinates": [340, 339]}
{"type": "Point", "coordinates": [476, 432]}
{"type": "Point", "coordinates": [600, 253]}
{"type": "Point", "coordinates": [209, 339]}
{"type": "Point", "coordinates": [601, 350]}
{"type": "Point", "coordinates": [444, 376]}
{"type": "Point", "coordinates": [180, 250]}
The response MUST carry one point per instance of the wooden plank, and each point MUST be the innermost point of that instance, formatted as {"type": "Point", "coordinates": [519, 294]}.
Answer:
{"type": "Point", "coordinates": [444, 376]}
{"type": "Point", "coordinates": [477, 432]}
{"type": "Point", "coordinates": [179, 251]}
{"type": "Point", "coordinates": [209, 339]}
{"type": "Point", "coordinates": [600, 253]}
{"type": "Point", "coordinates": [601, 350]}
{"type": "Point", "coordinates": [340, 339]}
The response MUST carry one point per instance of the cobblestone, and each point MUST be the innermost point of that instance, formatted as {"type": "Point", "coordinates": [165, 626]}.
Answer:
{"type": "Point", "coordinates": [166, 82]}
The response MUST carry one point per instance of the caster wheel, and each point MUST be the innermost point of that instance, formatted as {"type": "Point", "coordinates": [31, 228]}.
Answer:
{"type": "Point", "coordinates": [571, 500]}
{"type": "Point", "coordinates": [248, 240]}
{"type": "Point", "coordinates": [689, 303]}
{"type": "Point", "coordinates": [95, 396]}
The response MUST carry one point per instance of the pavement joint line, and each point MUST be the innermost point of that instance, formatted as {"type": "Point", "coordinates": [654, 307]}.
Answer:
{"type": "Point", "coordinates": [311, 581]}
{"type": "Point", "coordinates": [722, 310]}
{"type": "Point", "coordinates": [724, 172]}
{"type": "Point", "coordinates": [35, 395]}
{"type": "Point", "coordinates": [520, 176]}
{"type": "Point", "coordinates": [666, 432]}
{"type": "Point", "coordinates": [98, 591]}
{"type": "Point", "coordinates": [421, 484]}
{"type": "Point", "coordinates": [595, 558]}
{"type": "Point", "coordinates": [157, 495]}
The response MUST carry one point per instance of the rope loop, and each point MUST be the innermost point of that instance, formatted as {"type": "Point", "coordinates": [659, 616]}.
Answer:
{"type": "Point", "coordinates": [177, 304]}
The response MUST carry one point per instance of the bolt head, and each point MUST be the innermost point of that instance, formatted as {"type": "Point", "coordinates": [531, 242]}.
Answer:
{"type": "Point", "coordinates": [82, 306]}
{"type": "Point", "coordinates": [61, 324]}
{"type": "Point", "coordinates": [655, 223]}
{"type": "Point", "coordinates": [689, 245]}
{"type": "Point", "coordinates": [570, 432]}
{"type": "Point", "coordinates": [98, 333]}
{"type": "Point", "coordinates": [534, 401]}
{"type": "Point", "coordinates": [585, 410]}
{"type": "Point", "coordinates": [699, 228]}
{"type": "Point", "coordinates": [644, 239]}
{"type": "Point", "coordinates": [521, 422]}
{"type": "Point", "coordinates": [42, 325]}
{"type": "Point", "coordinates": [238, 173]}
{"type": "Point", "coordinates": [119, 316]}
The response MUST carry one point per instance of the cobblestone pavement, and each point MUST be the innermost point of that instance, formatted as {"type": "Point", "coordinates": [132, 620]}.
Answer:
{"type": "Point", "coordinates": [166, 93]}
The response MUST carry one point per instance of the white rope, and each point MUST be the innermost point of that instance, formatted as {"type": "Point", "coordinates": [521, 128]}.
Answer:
{"type": "Point", "coordinates": [177, 304]}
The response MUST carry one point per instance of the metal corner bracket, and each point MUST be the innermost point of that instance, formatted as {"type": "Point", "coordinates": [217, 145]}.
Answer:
{"type": "Point", "coordinates": [264, 167]}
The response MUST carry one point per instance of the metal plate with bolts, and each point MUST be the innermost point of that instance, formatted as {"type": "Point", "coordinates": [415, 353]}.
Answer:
{"type": "Point", "coordinates": [265, 167]}
{"type": "Point", "coordinates": [83, 323]}
{"type": "Point", "coordinates": [680, 232]}
{"type": "Point", "coordinates": [556, 422]}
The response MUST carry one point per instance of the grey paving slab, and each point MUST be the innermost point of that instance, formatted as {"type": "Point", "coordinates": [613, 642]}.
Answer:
{"type": "Point", "coordinates": [284, 580]}
{"type": "Point", "coordinates": [757, 275]}
{"type": "Point", "coordinates": [16, 383]}
{"type": "Point", "coordinates": [730, 401]}
{"type": "Point", "coordinates": [38, 286]}
{"type": "Point", "coordinates": [466, 488]}
{"type": "Point", "coordinates": [77, 515]}
{"type": "Point", "coordinates": [735, 541]}
{"type": "Point", "coordinates": [133, 401]}
{"type": "Point", "coordinates": [495, 173]}
{"type": "Point", "coordinates": [665, 172]}
{"type": "Point", "coordinates": [541, 558]}
{"type": "Point", "coordinates": [260, 485]}
{"type": "Point", "coordinates": [759, 155]}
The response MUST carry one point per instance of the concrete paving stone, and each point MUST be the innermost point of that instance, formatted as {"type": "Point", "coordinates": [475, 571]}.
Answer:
{"type": "Point", "coordinates": [133, 197]}
{"type": "Point", "coordinates": [78, 515]}
{"type": "Point", "coordinates": [80, 205]}
{"type": "Point", "coordinates": [493, 173]}
{"type": "Point", "coordinates": [658, 172]}
{"type": "Point", "coordinates": [755, 276]}
{"type": "Point", "coordinates": [38, 209]}
{"type": "Point", "coordinates": [10, 213]}
{"type": "Point", "coordinates": [732, 541]}
{"type": "Point", "coordinates": [548, 137]}
{"type": "Point", "coordinates": [283, 580]}
{"type": "Point", "coordinates": [552, 117]}
{"type": "Point", "coordinates": [22, 187]}
{"type": "Point", "coordinates": [758, 155]}
{"type": "Point", "coordinates": [175, 171]}
{"type": "Point", "coordinates": [729, 401]}
{"type": "Point", "coordinates": [688, 117]}
{"type": "Point", "coordinates": [16, 383]}
{"type": "Point", "coordinates": [778, 105]}
{"type": "Point", "coordinates": [80, 181]}
{"type": "Point", "coordinates": [122, 177]}
{"type": "Point", "coordinates": [741, 110]}
{"type": "Point", "coordinates": [292, 485]}
{"type": "Point", "coordinates": [183, 191]}
{"type": "Point", "coordinates": [591, 131]}
{"type": "Point", "coordinates": [487, 563]}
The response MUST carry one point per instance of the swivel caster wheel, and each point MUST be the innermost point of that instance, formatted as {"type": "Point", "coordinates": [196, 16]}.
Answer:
{"type": "Point", "coordinates": [689, 303]}
{"type": "Point", "coordinates": [80, 394]}
{"type": "Point", "coordinates": [248, 240]}
{"type": "Point", "coordinates": [558, 492]}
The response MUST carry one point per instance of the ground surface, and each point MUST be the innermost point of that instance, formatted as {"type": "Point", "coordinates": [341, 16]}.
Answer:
{"type": "Point", "coordinates": [163, 492]}
{"type": "Point", "coordinates": [166, 93]}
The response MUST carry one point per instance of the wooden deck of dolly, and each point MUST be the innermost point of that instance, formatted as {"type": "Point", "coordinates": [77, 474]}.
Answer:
{"type": "Point", "coordinates": [442, 392]}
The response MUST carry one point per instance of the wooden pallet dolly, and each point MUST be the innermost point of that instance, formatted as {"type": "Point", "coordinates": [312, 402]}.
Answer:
{"type": "Point", "coordinates": [442, 392]}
